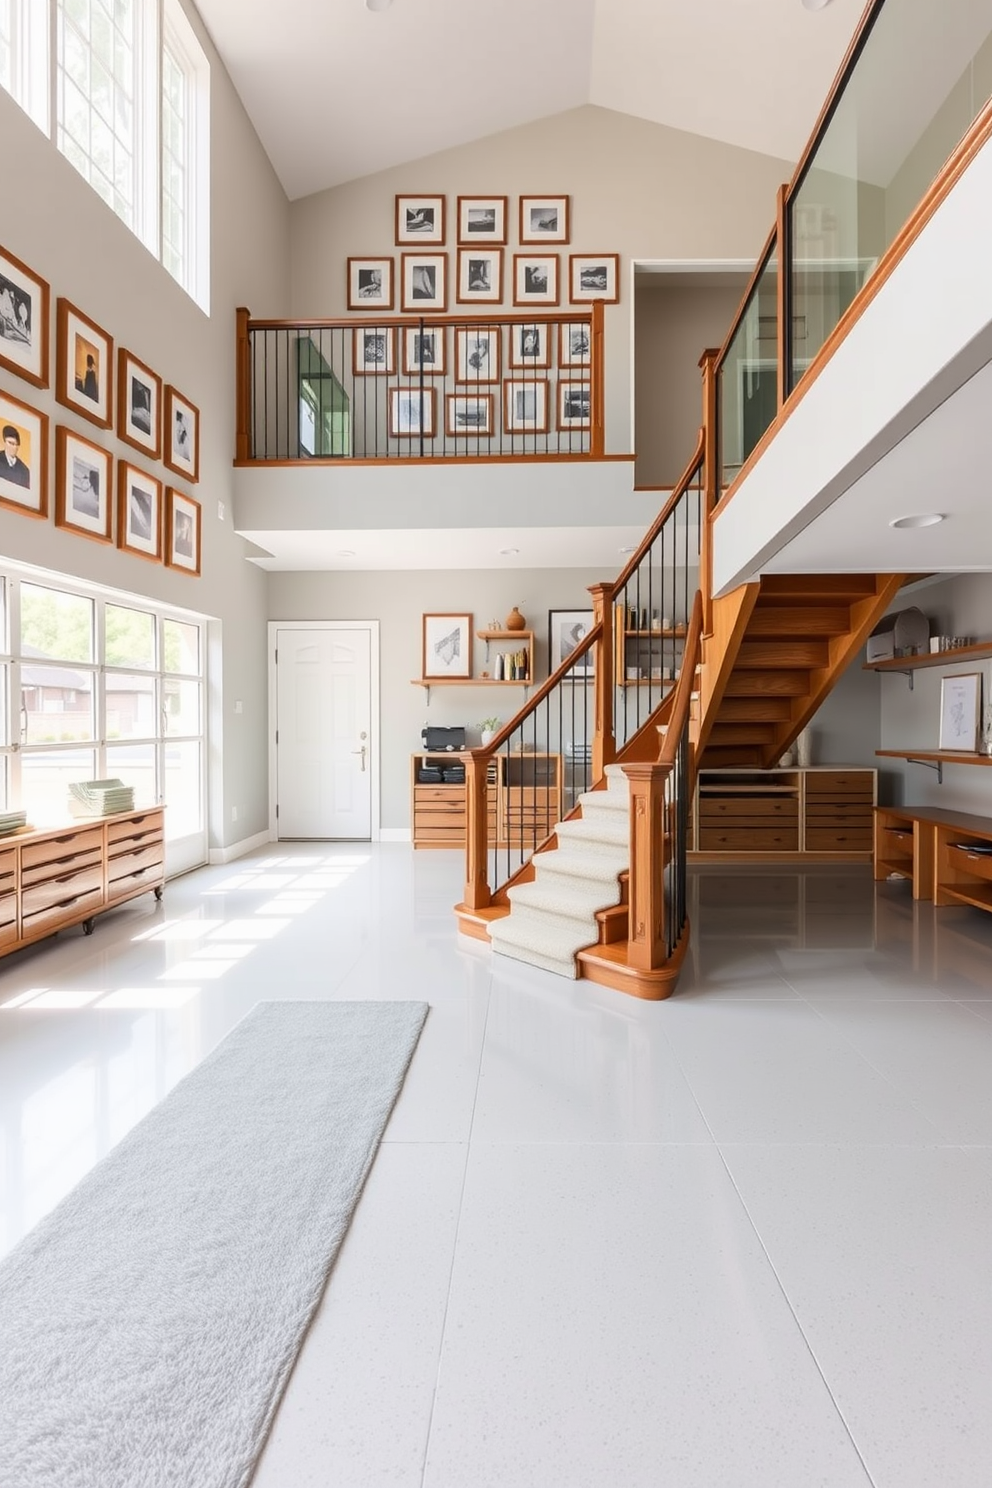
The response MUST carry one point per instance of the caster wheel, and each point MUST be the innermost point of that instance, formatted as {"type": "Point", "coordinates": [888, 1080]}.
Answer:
{"type": "Point", "coordinates": [159, 892]}
{"type": "Point", "coordinates": [87, 927]}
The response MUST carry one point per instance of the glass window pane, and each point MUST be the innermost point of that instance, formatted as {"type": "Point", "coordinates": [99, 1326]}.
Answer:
{"type": "Point", "coordinates": [749, 375]}
{"type": "Point", "coordinates": [184, 808]}
{"type": "Point", "coordinates": [56, 704]}
{"type": "Point", "coordinates": [4, 715]}
{"type": "Point", "coordinates": [182, 646]}
{"type": "Point", "coordinates": [131, 712]}
{"type": "Point", "coordinates": [56, 625]}
{"type": "Point", "coordinates": [130, 637]}
{"type": "Point", "coordinates": [181, 705]}
{"type": "Point", "coordinates": [45, 780]}
{"type": "Point", "coordinates": [135, 765]}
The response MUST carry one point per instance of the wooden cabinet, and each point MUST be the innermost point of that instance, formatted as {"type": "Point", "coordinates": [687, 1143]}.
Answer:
{"type": "Point", "coordinates": [524, 799]}
{"type": "Point", "coordinates": [816, 812]}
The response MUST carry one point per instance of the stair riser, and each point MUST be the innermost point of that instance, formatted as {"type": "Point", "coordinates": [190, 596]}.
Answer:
{"type": "Point", "coordinates": [767, 685]}
{"type": "Point", "coordinates": [815, 588]}
{"type": "Point", "coordinates": [754, 710]}
{"type": "Point", "coordinates": [782, 655]}
{"type": "Point", "coordinates": [791, 621]}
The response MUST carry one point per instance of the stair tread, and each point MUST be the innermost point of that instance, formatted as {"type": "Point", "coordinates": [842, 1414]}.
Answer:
{"type": "Point", "coordinates": [558, 897]}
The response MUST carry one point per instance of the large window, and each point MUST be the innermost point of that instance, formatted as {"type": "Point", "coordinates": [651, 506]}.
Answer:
{"type": "Point", "coordinates": [24, 56]}
{"type": "Point", "coordinates": [185, 157]}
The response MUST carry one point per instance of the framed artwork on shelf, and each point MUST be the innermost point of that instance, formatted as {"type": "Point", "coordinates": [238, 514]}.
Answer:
{"type": "Point", "coordinates": [412, 413]}
{"type": "Point", "coordinates": [530, 346]}
{"type": "Point", "coordinates": [84, 371]}
{"type": "Point", "coordinates": [182, 531]}
{"type": "Point", "coordinates": [370, 284]}
{"type": "Point", "coordinates": [139, 512]}
{"type": "Point", "coordinates": [83, 472]}
{"type": "Point", "coordinates": [535, 279]}
{"type": "Point", "coordinates": [469, 415]}
{"type": "Point", "coordinates": [24, 299]}
{"type": "Point", "coordinates": [594, 276]}
{"type": "Point", "coordinates": [373, 351]}
{"type": "Point", "coordinates": [420, 219]}
{"type": "Point", "coordinates": [477, 358]}
{"type": "Point", "coordinates": [424, 351]}
{"type": "Point", "coordinates": [544, 219]}
{"type": "Point", "coordinates": [574, 405]}
{"type": "Point", "coordinates": [525, 407]}
{"type": "Point", "coordinates": [447, 646]}
{"type": "Point", "coordinates": [424, 282]}
{"type": "Point", "coordinates": [139, 404]}
{"type": "Point", "coordinates": [480, 276]}
{"type": "Point", "coordinates": [574, 344]}
{"type": "Point", "coordinates": [23, 457]}
{"type": "Point", "coordinates": [482, 219]}
{"type": "Point", "coordinates": [960, 711]}
{"type": "Point", "coordinates": [566, 628]}
{"type": "Point", "coordinates": [182, 435]}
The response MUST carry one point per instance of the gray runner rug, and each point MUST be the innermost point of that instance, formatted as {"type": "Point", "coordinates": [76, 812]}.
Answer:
{"type": "Point", "coordinates": [149, 1324]}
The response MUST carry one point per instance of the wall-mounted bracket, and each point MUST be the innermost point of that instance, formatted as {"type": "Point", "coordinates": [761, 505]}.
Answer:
{"type": "Point", "coordinates": [937, 765]}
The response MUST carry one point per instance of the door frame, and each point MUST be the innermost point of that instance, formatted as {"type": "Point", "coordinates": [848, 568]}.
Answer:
{"type": "Point", "coordinates": [372, 626]}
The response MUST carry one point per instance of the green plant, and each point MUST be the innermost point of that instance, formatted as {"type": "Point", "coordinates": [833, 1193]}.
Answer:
{"type": "Point", "coordinates": [489, 725]}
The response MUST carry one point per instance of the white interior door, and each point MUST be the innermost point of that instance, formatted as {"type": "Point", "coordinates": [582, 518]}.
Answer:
{"type": "Point", "coordinates": [324, 744]}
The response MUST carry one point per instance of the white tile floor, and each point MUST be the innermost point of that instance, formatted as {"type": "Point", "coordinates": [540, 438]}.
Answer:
{"type": "Point", "coordinates": [740, 1239]}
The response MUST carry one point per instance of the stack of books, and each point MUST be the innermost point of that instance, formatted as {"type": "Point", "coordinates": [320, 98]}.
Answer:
{"type": "Point", "coordinates": [100, 797]}
{"type": "Point", "coordinates": [12, 821]}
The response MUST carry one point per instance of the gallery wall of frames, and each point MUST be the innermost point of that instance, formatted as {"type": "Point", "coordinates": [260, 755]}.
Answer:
{"type": "Point", "coordinates": [123, 499]}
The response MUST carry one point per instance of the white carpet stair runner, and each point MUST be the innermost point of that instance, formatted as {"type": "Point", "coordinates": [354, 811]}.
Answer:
{"type": "Point", "coordinates": [553, 917]}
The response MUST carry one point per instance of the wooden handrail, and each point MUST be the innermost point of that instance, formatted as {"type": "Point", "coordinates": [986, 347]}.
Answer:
{"type": "Point", "coordinates": [242, 385]}
{"type": "Point", "coordinates": [563, 316]}
{"type": "Point", "coordinates": [678, 491]}
{"type": "Point", "coordinates": [685, 686]}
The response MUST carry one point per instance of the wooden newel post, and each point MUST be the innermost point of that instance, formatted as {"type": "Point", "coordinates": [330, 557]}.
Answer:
{"type": "Point", "coordinates": [242, 394]}
{"type": "Point", "coordinates": [711, 481]}
{"type": "Point", "coordinates": [647, 947]}
{"type": "Point", "coordinates": [597, 428]}
{"type": "Point", "coordinates": [477, 891]}
{"type": "Point", "coordinates": [604, 747]}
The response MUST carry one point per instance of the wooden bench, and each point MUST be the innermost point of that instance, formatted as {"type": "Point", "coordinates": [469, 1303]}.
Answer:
{"type": "Point", "coordinates": [936, 850]}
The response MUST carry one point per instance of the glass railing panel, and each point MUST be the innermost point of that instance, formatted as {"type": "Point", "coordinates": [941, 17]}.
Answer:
{"type": "Point", "coordinates": [923, 76]}
{"type": "Point", "coordinates": [748, 375]}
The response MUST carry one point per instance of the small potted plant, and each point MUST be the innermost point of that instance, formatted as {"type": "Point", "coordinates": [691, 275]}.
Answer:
{"type": "Point", "coordinates": [488, 728]}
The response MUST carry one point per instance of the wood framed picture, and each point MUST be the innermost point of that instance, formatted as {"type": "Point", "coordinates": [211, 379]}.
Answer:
{"type": "Point", "coordinates": [181, 450]}
{"type": "Point", "coordinates": [535, 279]}
{"type": "Point", "coordinates": [83, 472]}
{"type": "Point", "coordinates": [139, 404]}
{"type": "Point", "coordinates": [424, 284]}
{"type": "Point", "coordinates": [574, 344]}
{"type": "Point", "coordinates": [412, 413]}
{"type": "Point", "coordinates": [23, 457]}
{"type": "Point", "coordinates": [24, 300]}
{"type": "Point", "coordinates": [370, 284]}
{"type": "Point", "coordinates": [183, 533]}
{"type": "Point", "coordinates": [525, 407]}
{"type": "Point", "coordinates": [480, 276]}
{"type": "Point", "coordinates": [420, 219]}
{"type": "Point", "coordinates": [574, 405]}
{"type": "Point", "coordinates": [481, 220]}
{"type": "Point", "coordinates": [566, 629]}
{"type": "Point", "coordinates": [424, 351]}
{"type": "Point", "coordinates": [594, 276]}
{"type": "Point", "coordinates": [84, 369]}
{"type": "Point", "coordinates": [139, 512]}
{"type": "Point", "coordinates": [447, 646]}
{"type": "Point", "coordinates": [530, 346]}
{"type": "Point", "coordinates": [373, 351]}
{"type": "Point", "coordinates": [477, 354]}
{"type": "Point", "coordinates": [960, 711]}
{"type": "Point", "coordinates": [544, 219]}
{"type": "Point", "coordinates": [469, 415]}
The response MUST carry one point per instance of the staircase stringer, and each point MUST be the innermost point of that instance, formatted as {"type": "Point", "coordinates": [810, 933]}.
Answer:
{"type": "Point", "coordinates": [730, 616]}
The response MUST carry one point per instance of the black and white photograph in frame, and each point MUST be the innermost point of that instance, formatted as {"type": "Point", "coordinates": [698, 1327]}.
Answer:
{"type": "Point", "coordinates": [84, 369]}
{"type": "Point", "coordinates": [477, 354]}
{"type": "Point", "coordinates": [469, 415]}
{"type": "Point", "coordinates": [424, 349]}
{"type": "Point", "coordinates": [574, 344]}
{"type": "Point", "coordinates": [447, 646]}
{"type": "Point", "coordinates": [182, 531]}
{"type": "Point", "coordinates": [181, 435]}
{"type": "Point", "coordinates": [370, 284]}
{"type": "Point", "coordinates": [535, 279]}
{"type": "Point", "coordinates": [83, 472]}
{"type": "Point", "coordinates": [24, 299]}
{"type": "Point", "coordinates": [23, 457]}
{"type": "Point", "coordinates": [530, 346]}
{"type": "Point", "coordinates": [139, 512]}
{"type": "Point", "coordinates": [412, 413]}
{"type": "Point", "coordinates": [139, 404]}
{"type": "Point", "coordinates": [960, 712]}
{"type": "Point", "coordinates": [424, 282]}
{"type": "Point", "coordinates": [525, 407]}
{"type": "Point", "coordinates": [374, 351]}
{"type": "Point", "coordinates": [482, 220]}
{"type": "Point", "coordinates": [594, 276]}
{"type": "Point", "coordinates": [420, 219]}
{"type": "Point", "coordinates": [480, 276]}
{"type": "Point", "coordinates": [544, 219]}
{"type": "Point", "coordinates": [574, 405]}
{"type": "Point", "coordinates": [566, 630]}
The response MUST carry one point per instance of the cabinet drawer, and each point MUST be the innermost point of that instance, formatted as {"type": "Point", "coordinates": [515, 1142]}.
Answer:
{"type": "Point", "coordinates": [134, 840]}
{"type": "Point", "coordinates": [977, 864]}
{"type": "Point", "coordinates": [736, 823]}
{"type": "Point", "coordinates": [750, 839]}
{"type": "Point", "coordinates": [148, 877]}
{"type": "Point", "coordinates": [58, 890]}
{"type": "Point", "coordinates": [786, 807]}
{"type": "Point", "coordinates": [454, 837]}
{"type": "Point", "coordinates": [129, 862]}
{"type": "Point", "coordinates": [8, 909]}
{"type": "Point", "coordinates": [63, 846]}
{"type": "Point", "coordinates": [453, 819]}
{"type": "Point", "coordinates": [438, 793]}
{"type": "Point", "coordinates": [8, 934]}
{"type": "Point", "coordinates": [823, 812]}
{"type": "Point", "coordinates": [47, 921]}
{"type": "Point", "coordinates": [145, 821]}
{"type": "Point", "coordinates": [71, 862]}
{"type": "Point", "coordinates": [838, 839]}
{"type": "Point", "coordinates": [841, 784]}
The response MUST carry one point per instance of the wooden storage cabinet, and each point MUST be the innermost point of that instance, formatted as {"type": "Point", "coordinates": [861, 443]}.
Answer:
{"type": "Point", "coordinates": [813, 813]}
{"type": "Point", "coordinates": [524, 800]}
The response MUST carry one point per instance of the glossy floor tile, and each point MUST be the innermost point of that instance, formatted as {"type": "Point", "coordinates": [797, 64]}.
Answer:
{"type": "Point", "coordinates": [739, 1238]}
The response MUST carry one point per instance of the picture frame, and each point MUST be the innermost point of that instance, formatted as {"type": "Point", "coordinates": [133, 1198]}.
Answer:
{"type": "Point", "coordinates": [535, 278]}
{"type": "Point", "coordinates": [370, 284]}
{"type": "Point", "coordinates": [574, 344]}
{"type": "Point", "coordinates": [183, 532]}
{"type": "Point", "coordinates": [139, 404]}
{"type": "Point", "coordinates": [594, 276]}
{"type": "Point", "coordinates": [477, 354]}
{"type": "Point", "coordinates": [480, 276]}
{"type": "Point", "coordinates": [446, 649]}
{"type": "Point", "coordinates": [373, 350]}
{"type": "Point", "coordinates": [482, 219]}
{"type": "Point", "coordinates": [23, 457]}
{"type": "Point", "coordinates": [574, 404]}
{"type": "Point", "coordinates": [84, 367]}
{"type": "Point", "coordinates": [530, 346]}
{"type": "Point", "coordinates": [544, 219]}
{"type": "Point", "coordinates": [420, 219]}
{"type": "Point", "coordinates": [425, 351]}
{"type": "Point", "coordinates": [139, 512]}
{"type": "Point", "coordinates": [424, 281]}
{"type": "Point", "coordinates": [412, 413]}
{"type": "Point", "coordinates": [181, 435]}
{"type": "Point", "coordinates": [469, 415]}
{"type": "Point", "coordinates": [566, 628]}
{"type": "Point", "coordinates": [960, 712]}
{"type": "Point", "coordinates": [24, 302]}
{"type": "Point", "coordinates": [83, 495]}
{"type": "Point", "coordinates": [525, 407]}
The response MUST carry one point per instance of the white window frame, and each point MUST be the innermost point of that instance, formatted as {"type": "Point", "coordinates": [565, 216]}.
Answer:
{"type": "Point", "coordinates": [179, 36]}
{"type": "Point", "coordinates": [30, 61]}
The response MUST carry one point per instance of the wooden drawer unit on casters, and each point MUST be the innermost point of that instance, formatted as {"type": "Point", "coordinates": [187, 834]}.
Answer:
{"type": "Point", "coordinates": [838, 815]}
{"type": "Point", "coordinates": [135, 856]}
{"type": "Point", "coordinates": [8, 897]}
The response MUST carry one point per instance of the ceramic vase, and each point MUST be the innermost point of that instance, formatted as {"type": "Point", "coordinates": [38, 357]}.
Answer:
{"type": "Point", "coordinates": [515, 621]}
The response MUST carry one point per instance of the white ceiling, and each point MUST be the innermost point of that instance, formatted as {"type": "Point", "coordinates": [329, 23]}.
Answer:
{"type": "Point", "coordinates": [337, 92]}
{"type": "Point", "coordinates": [419, 548]}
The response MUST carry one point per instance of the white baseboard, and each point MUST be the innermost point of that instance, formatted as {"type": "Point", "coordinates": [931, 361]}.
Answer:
{"type": "Point", "coordinates": [395, 834]}
{"type": "Point", "coordinates": [238, 849]}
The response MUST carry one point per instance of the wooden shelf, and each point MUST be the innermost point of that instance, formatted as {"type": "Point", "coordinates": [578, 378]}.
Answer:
{"type": "Point", "coordinates": [468, 682]}
{"type": "Point", "coordinates": [977, 652]}
{"type": "Point", "coordinates": [505, 635]}
{"type": "Point", "coordinates": [938, 756]}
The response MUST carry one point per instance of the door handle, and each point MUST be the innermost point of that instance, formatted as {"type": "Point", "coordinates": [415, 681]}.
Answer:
{"type": "Point", "coordinates": [362, 753]}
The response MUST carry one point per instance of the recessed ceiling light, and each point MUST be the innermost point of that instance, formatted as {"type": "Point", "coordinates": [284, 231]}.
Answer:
{"type": "Point", "coordinates": [508, 552]}
{"type": "Point", "coordinates": [924, 519]}
{"type": "Point", "coordinates": [385, 4]}
{"type": "Point", "coordinates": [631, 549]}
{"type": "Point", "coordinates": [345, 553]}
